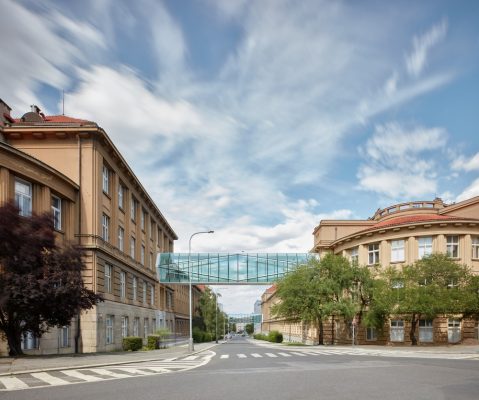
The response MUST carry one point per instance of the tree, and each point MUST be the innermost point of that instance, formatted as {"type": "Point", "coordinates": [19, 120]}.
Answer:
{"type": "Point", "coordinates": [431, 286]}
{"type": "Point", "coordinates": [211, 317]}
{"type": "Point", "coordinates": [315, 291]}
{"type": "Point", "coordinates": [249, 328]}
{"type": "Point", "coordinates": [41, 284]}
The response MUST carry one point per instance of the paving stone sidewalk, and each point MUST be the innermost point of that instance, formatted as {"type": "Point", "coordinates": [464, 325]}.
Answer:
{"type": "Point", "coordinates": [29, 364]}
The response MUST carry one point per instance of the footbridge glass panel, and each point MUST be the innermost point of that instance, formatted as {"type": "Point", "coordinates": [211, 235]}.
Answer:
{"type": "Point", "coordinates": [227, 268]}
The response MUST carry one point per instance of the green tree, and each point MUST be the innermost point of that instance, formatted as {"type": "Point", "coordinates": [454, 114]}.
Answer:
{"type": "Point", "coordinates": [249, 328]}
{"type": "Point", "coordinates": [212, 317]}
{"type": "Point", "coordinates": [41, 284]}
{"type": "Point", "coordinates": [431, 286]}
{"type": "Point", "coordinates": [315, 291]}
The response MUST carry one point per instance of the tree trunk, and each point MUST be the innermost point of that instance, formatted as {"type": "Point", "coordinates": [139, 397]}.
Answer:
{"type": "Point", "coordinates": [320, 332]}
{"type": "Point", "coordinates": [14, 341]}
{"type": "Point", "coordinates": [412, 332]}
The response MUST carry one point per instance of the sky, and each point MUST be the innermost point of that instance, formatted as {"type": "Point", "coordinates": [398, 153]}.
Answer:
{"type": "Point", "coordinates": [258, 119]}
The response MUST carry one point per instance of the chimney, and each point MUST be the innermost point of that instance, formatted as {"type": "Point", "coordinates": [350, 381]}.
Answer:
{"type": "Point", "coordinates": [5, 117]}
{"type": "Point", "coordinates": [35, 108]}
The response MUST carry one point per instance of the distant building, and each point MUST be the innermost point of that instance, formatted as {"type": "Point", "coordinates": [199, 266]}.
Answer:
{"type": "Point", "coordinates": [257, 307]}
{"type": "Point", "coordinates": [396, 235]}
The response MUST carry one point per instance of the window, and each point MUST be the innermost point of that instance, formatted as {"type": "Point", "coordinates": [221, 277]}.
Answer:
{"type": "Point", "coordinates": [152, 261]}
{"type": "Point", "coordinates": [132, 247]}
{"type": "Point", "coordinates": [371, 333]}
{"type": "Point", "coordinates": [142, 255]}
{"type": "Point", "coordinates": [373, 253]}
{"type": "Point", "coordinates": [169, 299]}
{"type": "Point", "coordinates": [29, 341]}
{"type": "Point", "coordinates": [144, 292]}
{"type": "Point", "coordinates": [397, 250]}
{"type": "Point", "coordinates": [135, 287]}
{"type": "Point", "coordinates": [354, 255]}
{"type": "Point", "coordinates": [146, 327]}
{"type": "Point", "coordinates": [121, 238]}
{"type": "Point", "coordinates": [159, 238]}
{"type": "Point", "coordinates": [452, 246]}
{"type": "Point", "coordinates": [105, 227]}
{"type": "Point", "coordinates": [136, 326]}
{"type": "Point", "coordinates": [109, 329]}
{"type": "Point", "coordinates": [424, 246]}
{"type": "Point", "coordinates": [57, 212]}
{"type": "Point", "coordinates": [106, 179]}
{"type": "Point", "coordinates": [153, 325]}
{"type": "Point", "coordinates": [124, 326]}
{"type": "Point", "coordinates": [142, 219]}
{"type": "Point", "coordinates": [23, 197]}
{"type": "Point", "coordinates": [152, 295]}
{"type": "Point", "coordinates": [425, 331]}
{"type": "Point", "coordinates": [65, 336]}
{"type": "Point", "coordinates": [121, 196]}
{"type": "Point", "coordinates": [108, 271]}
{"type": "Point", "coordinates": [397, 330]}
{"type": "Point", "coordinates": [152, 229]}
{"type": "Point", "coordinates": [133, 209]}
{"type": "Point", "coordinates": [453, 330]}
{"type": "Point", "coordinates": [122, 284]}
{"type": "Point", "coordinates": [475, 247]}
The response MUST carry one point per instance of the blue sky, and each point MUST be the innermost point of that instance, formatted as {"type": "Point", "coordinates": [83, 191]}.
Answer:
{"type": "Point", "coordinates": [260, 118]}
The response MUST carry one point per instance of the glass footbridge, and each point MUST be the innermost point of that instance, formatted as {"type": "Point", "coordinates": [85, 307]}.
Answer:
{"type": "Point", "coordinates": [227, 268]}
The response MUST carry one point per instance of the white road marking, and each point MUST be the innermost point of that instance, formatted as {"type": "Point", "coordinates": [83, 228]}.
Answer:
{"type": "Point", "coordinates": [50, 379]}
{"type": "Point", "coordinates": [256, 355]}
{"type": "Point", "coordinates": [271, 355]}
{"type": "Point", "coordinates": [10, 382]}
{"type": "Point", "coordinates": [241, 355]}
{"type": "Point", "coordinates": [190, 358]}
{"type": "Point", "coordinates": [298, 354]}
{"type": "Point", "coordinates": [285, 354]}
{"type": "Point", "coordinates": [134, 371]}
{"type": "Point", "coordinates": [102, 371]}
{"type": "Point", "coordinates": [77, 374]}
{"type": "Point", "coordinates": [225, 356]}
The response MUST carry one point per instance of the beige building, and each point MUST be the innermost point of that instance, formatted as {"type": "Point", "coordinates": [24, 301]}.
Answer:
{"type": "Point", "coordinates": [398, 235]}
{"type": "Point", "coordinates": [71, 167]}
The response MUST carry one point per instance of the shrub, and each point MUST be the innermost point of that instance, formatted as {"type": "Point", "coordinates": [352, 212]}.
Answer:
{"type": "Point", "coordinates": [260, 336]}
{"type": "Point", "coordinates": [207, 337]}
{"type": "Point", "coordinates": [198, 335]}
{"type": "Point", "coordinates": [153, 342]}
{"type": "Point", "coordinates": [275, 337]}
{"type": "Point", "coordinates": [133, 343]}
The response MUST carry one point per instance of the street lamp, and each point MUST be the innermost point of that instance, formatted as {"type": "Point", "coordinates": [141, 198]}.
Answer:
{"type": "Point", "coordinates": [190, 341]}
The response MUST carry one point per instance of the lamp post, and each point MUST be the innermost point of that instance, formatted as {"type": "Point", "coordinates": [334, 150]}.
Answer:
{"type": "Point", "coordinates": [190, 341]}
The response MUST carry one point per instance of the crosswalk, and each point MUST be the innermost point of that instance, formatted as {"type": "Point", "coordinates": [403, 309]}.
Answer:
{"type": "Point", "coordinates": [97, 374]}
{"type": "Point", "coordinates": [353, 352]}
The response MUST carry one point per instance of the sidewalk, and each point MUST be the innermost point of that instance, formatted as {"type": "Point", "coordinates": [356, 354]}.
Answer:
{"type": "Point", "coordinates": [447, 349]}
{"type": "Point", "coordinates": [29, 364]}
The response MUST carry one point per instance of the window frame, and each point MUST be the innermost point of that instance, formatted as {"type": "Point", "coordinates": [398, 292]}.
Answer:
{"type": "Point", "coordinates": [354, 255]}
{"type": "Point", "coordinates": [64, 336]}
{"type": "Point", "coordinates": [109, 331]}
{"type": "Point", "coordinates": [121, 196]}
{"type": "Point", "coordinates": [374, 252]}
{"type": "Point", "coordinates": [108, 276]}
{"type": "Point", "coordinates": [424, 247]}
{"type": "Point", "coordinates": [133, 247]}
{"type": "Point", "coordinates": [134, 285]}
{"type": "Point", "coordinates": [452, 245]}
{"type": "Point", "coordinates": [57, 213]}
{"type": "Point", "coordinates": [146, 327]}
{"type": "Point", "coordinates": [426, 331]}
{"type": "Point", "coordinates": [133, 208]}
{"type": "Point", "coordinates": [121, 238]}
{"type": "Point", "coordinates": [475, 247]}
{"type": "Point", "coordinates": [371, 334]}
{"type": "Point", "coordinates": [105, 227]}
{"type": "Point", "coordinates": [398, 252]}
{"type": "Point", "coordinates": [144, 292]}
{"type": "Point", "coordinates": [122, 285]}
{"type": "Point", "coordinates": [142, 254]}
{"type": "Point", "coordinates": [454, 334]}
{"type": "Point", "coordinates": [396, 330]}
{"type": "Point", "coordinates": [136, 326]}
{"type": "Point", "coordinates": [124, 326]}
{"type": "Point", "coordinates": [105, 173]}
{"type": "Point", "coordinates": [23, 196]}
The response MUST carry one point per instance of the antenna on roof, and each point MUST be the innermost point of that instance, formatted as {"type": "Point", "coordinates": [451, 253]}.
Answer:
{"type": "Point", "coordinates": [63, 101]}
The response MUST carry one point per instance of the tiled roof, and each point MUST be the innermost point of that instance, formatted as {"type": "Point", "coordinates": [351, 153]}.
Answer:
{"type": "Point", "coordinates": [271, 289]}
{"type": "Point", "coordinates": [412, 219]}
{"type": "Point", "coordinates": [60, 119]}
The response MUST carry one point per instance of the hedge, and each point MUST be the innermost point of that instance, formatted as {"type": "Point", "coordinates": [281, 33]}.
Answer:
{"type": "Point", "coordinates": [273, 336]}
{"type": "Point", "coordinates": [153, 342]}
{"type": "Point", "coordinates": [133, 343]}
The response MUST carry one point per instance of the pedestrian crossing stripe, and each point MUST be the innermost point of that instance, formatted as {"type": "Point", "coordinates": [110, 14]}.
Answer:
{"type": "Point", "coordinates": [83, 375]}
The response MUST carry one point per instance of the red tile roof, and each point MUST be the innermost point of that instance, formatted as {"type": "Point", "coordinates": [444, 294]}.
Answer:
{"type": "Point", "coordinates": [61, 119]}
{"type": "Point", "coordinates": [412, 219]}
{"type": "Point", "coordinates": [271, 289]}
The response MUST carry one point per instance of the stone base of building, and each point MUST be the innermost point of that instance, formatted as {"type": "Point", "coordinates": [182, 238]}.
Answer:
{"type": "Point", "coordinates": [396, 332]}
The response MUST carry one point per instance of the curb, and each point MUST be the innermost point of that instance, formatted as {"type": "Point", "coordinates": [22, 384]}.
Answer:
{"type": "Point", "coordinates": [31, 371]}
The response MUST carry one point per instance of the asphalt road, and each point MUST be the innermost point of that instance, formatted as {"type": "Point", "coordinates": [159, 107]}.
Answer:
{"type": "Point", "coordinates": [242, 370]}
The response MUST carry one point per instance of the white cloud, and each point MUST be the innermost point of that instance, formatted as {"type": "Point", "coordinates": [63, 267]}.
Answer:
{"type": "Point", "coordinates": [471, 191]}
{"type": "Point", "coordinates": [417, 59]}
{"type": "Point", "coordinates": [465, 164]}
{"type": "Point", "coordinates": [399, 162]}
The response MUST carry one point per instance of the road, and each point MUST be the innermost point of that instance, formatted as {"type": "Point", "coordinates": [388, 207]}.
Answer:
{"type": "Point", "coordinates": [242, 370]}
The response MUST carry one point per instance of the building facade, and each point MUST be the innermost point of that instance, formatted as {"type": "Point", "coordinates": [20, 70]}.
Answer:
{"type": "Point", "coordinates": [102, 207]}
{"type": "Point", "coordinates": [397, 235]}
